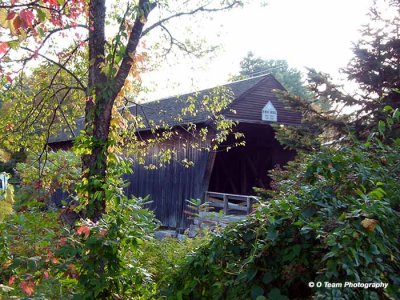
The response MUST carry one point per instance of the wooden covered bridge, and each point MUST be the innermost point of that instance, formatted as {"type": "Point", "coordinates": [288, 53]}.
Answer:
{"type": "Point", "coordinates": [225, 178]}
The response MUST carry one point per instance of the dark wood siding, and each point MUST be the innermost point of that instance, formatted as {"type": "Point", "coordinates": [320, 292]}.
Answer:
{"type": "Point", "coordinates": [249, 106]}
{"type": "Point", "coordinates": [65, 145]}
{"type": "Point", "coordinates": [237, 171]}
{"type": "Point", "coordinates": [241, 169]}
{"type": "Point", "coordinates": [170, 186]}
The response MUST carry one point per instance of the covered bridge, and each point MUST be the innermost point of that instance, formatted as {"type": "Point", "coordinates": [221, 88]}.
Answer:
{"type": "Point", "coordinates": [219, 174]}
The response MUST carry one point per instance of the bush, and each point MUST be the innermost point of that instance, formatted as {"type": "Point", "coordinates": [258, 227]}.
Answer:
{"type": "Point", "coordinates": [28, 240]}
{"type": "Point", "coordinates": [102, 259]}
{"type": "Point", "coordinates": [334, 217]}
{"type": "Point", "coordinates": [43, 260]}
{"type": "Point", "coordinates": [163, 258]}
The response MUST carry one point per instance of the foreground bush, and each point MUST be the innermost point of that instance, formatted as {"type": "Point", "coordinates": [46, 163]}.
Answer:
{"type": "Point", "coordinates": [28, 240]}
{"type": "Point", "coordinates": [334, 217]}
{"type": "Point", "coordinates": [115, 258]}
{"type": "Point", "coordinates": [43, 259]}
{"type": "Point", "coordinates": [162, 258]}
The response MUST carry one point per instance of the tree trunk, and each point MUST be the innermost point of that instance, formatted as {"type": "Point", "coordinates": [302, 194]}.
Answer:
{"type": "Point", "coordinates": [97, 114]}
{"type": "Point", "coordinates": [102, 92]}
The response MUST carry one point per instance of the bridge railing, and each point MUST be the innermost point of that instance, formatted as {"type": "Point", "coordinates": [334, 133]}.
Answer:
{"type": "Point", "coordinates": [230, 203]}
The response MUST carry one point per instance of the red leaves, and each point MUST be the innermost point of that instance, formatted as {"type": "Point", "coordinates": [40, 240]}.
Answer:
{"type": "Point", "coordinates": [24, 19]}
{"type": "Point", "coordinates": [11, 280]}
{"type": "Point", "coordinates": [85, 230]}
{"type": "Point", "coordinates": [56, 20]}
{"type": "Point", "coordinates": [52, 2]}
{"type": "Point", "coordinates": [4, 47]}
{"type": "Point", "coordinates": [46, 275]}
{"type": "Point", "coordinates": [51, 258]}
{"type": "Point", "coordinates": [27, 18]}
{"type": "Point", "coordinates": [61, 242]}
{"type": "Point", "coordinates": [27, 287]}
{"type": "Point", "coordinates": [11, 15]}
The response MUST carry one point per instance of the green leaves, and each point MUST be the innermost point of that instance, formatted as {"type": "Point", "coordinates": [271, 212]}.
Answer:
{"type": "Point", "coordinates": [275, 294]}
{"type": "Point", "coordinates": [334, 218]}
{"type": "Point", "coordinates": [256, 292]}
{"type": "Point", "coordinates": [381, 127]}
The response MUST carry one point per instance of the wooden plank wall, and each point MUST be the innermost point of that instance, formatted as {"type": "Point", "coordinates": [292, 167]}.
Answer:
{"type": "Point", "coordinates": [250, 104]}
{"type": "Point", "coordinates": [242, 168]}
{"type": "Point", "coordinates": [170, 186]}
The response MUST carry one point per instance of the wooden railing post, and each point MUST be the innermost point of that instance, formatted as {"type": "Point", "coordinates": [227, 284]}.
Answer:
{"type": "Point", "coordinates": [205, 197]}
{"type": "Point", "coordinates": [248, 204]}
{"type": "Point", "coordinates": [226, 204]}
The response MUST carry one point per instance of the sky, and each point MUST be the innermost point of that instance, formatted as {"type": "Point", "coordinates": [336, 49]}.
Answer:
{"type": "Point", "coordinates": [306, 33]}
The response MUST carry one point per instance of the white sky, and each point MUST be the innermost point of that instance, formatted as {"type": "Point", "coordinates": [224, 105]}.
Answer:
{"type": "Point", "coordinates": [307, 33]}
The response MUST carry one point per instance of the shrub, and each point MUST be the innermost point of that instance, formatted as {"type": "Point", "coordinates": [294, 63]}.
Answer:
{"type": "Point", "coordinates": [41, 259]}
{"type": "Point", "coordinates": [28, 240]}
{"type": "Point", "coordinates": [102, 258]}
{"type": "Point", "coordinates": [332, 218]}
{"type": "Point", "coordinates": [163, 258]}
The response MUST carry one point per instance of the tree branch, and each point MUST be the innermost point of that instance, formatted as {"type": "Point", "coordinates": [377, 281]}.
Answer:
{"type": "Point", "coordinates": [203, 8]}
{"type": "Point", "coordinates": [145, 7]}
{"type": "Point", "coordinates": [50, 33]}
{"type": "Point", "coordinates": [59, 65]}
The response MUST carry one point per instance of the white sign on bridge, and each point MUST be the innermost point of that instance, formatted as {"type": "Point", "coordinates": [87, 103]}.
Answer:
{"type": "Point", "coordinates": [269, 113]}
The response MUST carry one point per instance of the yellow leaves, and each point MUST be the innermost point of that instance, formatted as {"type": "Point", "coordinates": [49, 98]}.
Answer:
{"type": "Point", "coordinates": [127, 115]}
{"type": "Point", "coordinates": [4, 156]}
{"type": "Point", "coordinates": [103, 67]}
{"type": "Point", "coordinates": [132, 55]}
{"type": "Point", "coordinates": [369, 224]}
{"type": "Point", "coordinates": [16, 23]}
{"type": "Point", "coordinates": [7, 264]}
{"type": "Point", "coordinates": [3, 17]}
{"type": "Point", "coordinates": [121, 93]}
{"type": "Point", "coordinates": [118, 122]}
{"type": "Point", "coordinates": [9, 21]}
{"type": "Point", "coordinates": [21, 34]}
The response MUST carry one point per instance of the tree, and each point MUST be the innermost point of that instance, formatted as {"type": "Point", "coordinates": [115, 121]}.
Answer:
{"type": "Point", "coordinates": [290, 78]}
{"type": "Point", "coordinates": [375, 66]}
{"type": "Point", "coordinates": [374, 73]}
{"type": "Point", "coordinates": [99, 66]}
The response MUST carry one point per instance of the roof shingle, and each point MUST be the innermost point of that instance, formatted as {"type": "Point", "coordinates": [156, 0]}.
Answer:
{"type": "Point", "coordinates": [170, 111]}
